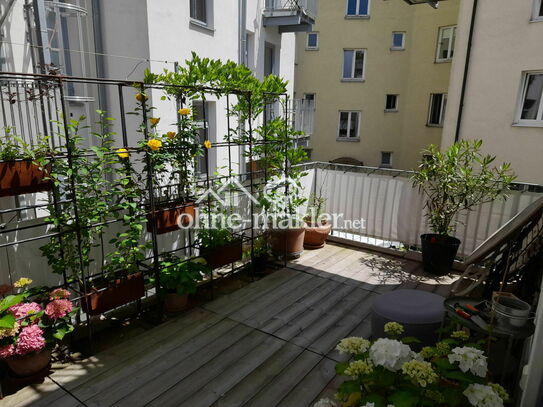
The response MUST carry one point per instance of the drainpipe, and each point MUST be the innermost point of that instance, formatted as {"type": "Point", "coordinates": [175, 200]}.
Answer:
{"type": "Point", "coordinates": [466, 71]}
{"type": "Point", "coordinates": [242, 30]}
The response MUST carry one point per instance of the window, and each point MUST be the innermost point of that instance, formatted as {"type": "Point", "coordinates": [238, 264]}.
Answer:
{"type": "Point", "coordinates": [531, 103]}
{"type": "Point", "coordinates": [358, 8]}
{"type": "Point", "coordinates": [204, 117]}
{"type": "Point", "coordinates": [198, 10]}
{"type": "Point", "coordinates": [391, 104]}
{"type": "Point", "coordinates": [349, 123]}
{"type": "Point", "coordinates": [438, 102]}
{"type": "Point", "coordinates": [538, 10]}
{"type": "Point", "coordinates": [386, 159]}
{"type": "Point", "coordinates": [445, 43]}
{"type": "Point", "coordinates": [398, 41]}
{"type": "Point", "coordinates": [353, 64]}
{"type": "Point", "coordinates": [312, 41]}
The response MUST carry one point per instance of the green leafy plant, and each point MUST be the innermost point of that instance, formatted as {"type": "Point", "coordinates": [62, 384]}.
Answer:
{"type": "Point", "coordinates": [315, 213]}
{"type": "Point", "coordinates": [457, 180]}
{"type": "Point", "coordinates": [387, 372]}
{"type": "Point", "coordinates": [213, 238]}
{"type": "Point", "coordinates": [13, 147]}
{"type": "Point", "coordinates": [181, 276]}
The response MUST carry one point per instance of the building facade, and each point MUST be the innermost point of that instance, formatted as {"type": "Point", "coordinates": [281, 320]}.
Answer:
{"type": "Point", "coordinates": [377, 75]}
{"type": "Point", "coordinates": [501, 90]}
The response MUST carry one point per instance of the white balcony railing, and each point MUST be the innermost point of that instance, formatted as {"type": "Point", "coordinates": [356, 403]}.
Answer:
{"type": "Point", "coordinates": [308, 7]}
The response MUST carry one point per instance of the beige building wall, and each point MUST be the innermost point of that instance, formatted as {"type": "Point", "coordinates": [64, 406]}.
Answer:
{"type": "Point", "coordinates": [411, 73]}
{"type": "Point", "coordinates": [506, 43]}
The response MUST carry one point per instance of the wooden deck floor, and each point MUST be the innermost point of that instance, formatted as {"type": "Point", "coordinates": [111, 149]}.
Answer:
{"type": "Point", "coordinates": [268, 344]}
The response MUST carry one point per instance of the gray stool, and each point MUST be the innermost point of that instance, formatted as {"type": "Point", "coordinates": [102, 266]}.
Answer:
{"type": "Point", "coordinates": [420, 312]}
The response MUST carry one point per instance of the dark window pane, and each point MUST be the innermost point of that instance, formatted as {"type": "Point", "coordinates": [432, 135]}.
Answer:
{"type": "Point", "coordinates": [343, 122]}
{"type": "Point", "coordinates": [353, 125]}
{"type": "Point", "coordinates": [348, 64]}
{"type": "Point", "coordinates": [397, 40]}
{"type": "Point", "coordinates": [391, 102]}
{"type": "Point", "coordinates": [541, 9]}
{"type": "Point", "coordinates": [435, 109]}
{"type": "Point", "coordinates": [359, 65]}
{"type": "Point", "coordinates": [532, 98]}
{"type": "Point", "coordinates": [363, 7]}
{"type": "Point", "coordinates": [198, 10]}
{"type": "Point", "coordinates": [351, 7]}
{"type": "Point", "coordinates": [312, 40]}
{"type": "Point", "coordinates": [386, 158]}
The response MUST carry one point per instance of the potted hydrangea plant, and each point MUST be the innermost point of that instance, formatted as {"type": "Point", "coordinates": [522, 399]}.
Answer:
{"type": "Point", "coordinates": [387, 372]}
{"type": "Point", "coordinates": [31, 324]}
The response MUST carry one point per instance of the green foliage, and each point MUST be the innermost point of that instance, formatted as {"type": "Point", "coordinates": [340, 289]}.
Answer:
{"type": "Point", "coordinates": [180, 275]}
{"type": "Point", "coordinates": [459, 179]}
{"type": "Point", "coordinates": [13, 147]}
{"type": "Point", "coordinates": [213, 238]}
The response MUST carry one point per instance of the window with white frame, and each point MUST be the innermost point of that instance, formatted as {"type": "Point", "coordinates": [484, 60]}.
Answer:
{"type": "Point", "coordinates": [358, 8]}
{"type": "Point", "coordinates": [445, 43]}
{"type": "Point", "coordinates": [398, 41]}
{"type": "Point", "coordinates": [199, 11]}
{"type": "Point", "coordinates": [436, 114]}
{"type": "Point", "coordinates": [349, 125]}
{"type": "Point", "coordinates": [391, 104]}
{"type": "Point", "coordinates": [530, 110]}
{"type": "Point", "coordinates": [538, 10]}
{"type": "Point", "coordinates": [312, 41]}
{"type": "Point", "coordinates": [386, 159]}
{"type": "Point", "coordinates": [353, 64]}
{"type": "Point", "coordinates": [203, 114]}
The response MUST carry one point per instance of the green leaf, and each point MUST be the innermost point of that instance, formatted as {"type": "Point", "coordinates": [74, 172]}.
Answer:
{"type": "Point", "coordinates": [459, 376]}
{"type": "Point", "coordinates": [410, 339]}
{"type": "Point", "coordinates": [404, 398]}
{"type": "Point", "coordinates": [7, 321]}
{"type": "Point", "coordinates": [10, 301]}
{"type": "Point", "coordinates": [376, 399]}
{"type": "Point", "coordinates": [340, 367]}
{"type": "Point", "coordinates": [350, 386]}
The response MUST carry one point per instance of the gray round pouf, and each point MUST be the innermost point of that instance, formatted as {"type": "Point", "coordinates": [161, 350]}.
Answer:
{"type": "Point", "coordinates": [420, 312]}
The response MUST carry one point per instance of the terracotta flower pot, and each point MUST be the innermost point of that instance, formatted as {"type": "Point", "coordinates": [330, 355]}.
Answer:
{"type": "Point", "coordinates": [120, 292]}
{"type": "Point", "coordinates": [23, 177]}
{"type": "Point", "coordinates": [29, 364]}
{"type": "Point", "coordinates": [221, 256]}
{"type": "Point", "coordinates": [287, 243]}
{"type": "Point", "coordinates": [174, 302]}
{"type": "Point", "coordinates": [167, 217]}
{"type": "Point", "coordinates": [315, 235]}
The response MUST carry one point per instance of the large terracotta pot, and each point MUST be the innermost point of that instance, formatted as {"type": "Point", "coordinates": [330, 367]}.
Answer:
{"type": "Point", "coordinates": [167, 217]}
{"type": "Point", "coordinates": [174, 302]}
{"type": "Point", "coordinates": [287, 243]}
{"type": "Point", "coordinates": [315, 235]}
{"type": "Point", "coordinates": [29, 364]}
{"type": "Point", "coordinates": [23, 177]}
{"type": "Point", "coordinates": [120, 292]}
{"type": "Point", "coordinates": [221, 256]}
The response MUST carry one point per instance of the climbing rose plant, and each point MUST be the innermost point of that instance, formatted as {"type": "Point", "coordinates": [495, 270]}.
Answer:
{"type": "Point", "coordinates": [388, 373]}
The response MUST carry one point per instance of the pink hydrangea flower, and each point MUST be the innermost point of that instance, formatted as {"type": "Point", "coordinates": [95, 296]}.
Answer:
{"type": "Point", "coordinates": [58, 294]}
{"type": "Point", "coordinates": [6, 351]}
{"type": "Point", "coordinates": [58, 308]}
{"type": "Point", "coordinates": [24, 309]}
{"type": "Point", "coordinates": [30, 340]}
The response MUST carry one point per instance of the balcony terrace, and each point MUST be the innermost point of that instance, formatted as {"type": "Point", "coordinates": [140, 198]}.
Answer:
{"type": "Point", "coordinates": [270, 343]}
{"type": "Point", "coordinates": [290, 15]}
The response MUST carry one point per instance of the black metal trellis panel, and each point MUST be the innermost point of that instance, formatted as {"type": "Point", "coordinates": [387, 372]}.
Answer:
{"type": "Point", "coordinates": [43, 103]}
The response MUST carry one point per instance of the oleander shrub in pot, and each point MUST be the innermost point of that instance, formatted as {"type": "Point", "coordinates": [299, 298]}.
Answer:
{"type": "Point", "coordinates": [454, 181]}
{"type": "Point", "coordinates": [317, 225]}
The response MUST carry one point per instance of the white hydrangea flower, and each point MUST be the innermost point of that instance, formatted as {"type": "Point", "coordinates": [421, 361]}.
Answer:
{"type": "Point", "coordinates": [480, 395]}
{"type": "Point", "coordinates": [390, 353]}
{"type": "Point", "coordinates": [470, 359]}
{"type": "Point", "coordinates": [368, 404]}
{"type": "Point", "coordinates": [353, 345]}
{"type": "Point", "coordinates": [325, 403]}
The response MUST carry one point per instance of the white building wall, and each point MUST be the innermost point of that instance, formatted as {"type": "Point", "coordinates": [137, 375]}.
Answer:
{"type": "Point", "coordinates": [505, 44]}
{"type": "Point", "coordinates": [15, 51]}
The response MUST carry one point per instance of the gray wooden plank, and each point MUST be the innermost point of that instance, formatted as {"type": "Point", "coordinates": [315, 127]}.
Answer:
{"type": "Point", "coordinates": [272, 394]}
{"type": "Point", "coordinates": [311, 385]}
{"type": "Point", "coordinates": [362, 330]}
{"type": "Point", "coordinates": [245, 389]}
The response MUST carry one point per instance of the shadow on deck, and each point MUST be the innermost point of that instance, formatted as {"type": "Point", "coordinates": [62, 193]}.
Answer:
{"type": "Point", "coordinates": [268, 344]}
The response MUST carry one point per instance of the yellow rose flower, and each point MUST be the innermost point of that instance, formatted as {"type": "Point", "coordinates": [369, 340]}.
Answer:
{"type": "Point", "coordinates": [154, 121]}
{"type": "Point", "coordinates": [22, 282]}
{"type": "Point", "coordinates": [185, 111]}
{"type": "Point", "coordinates": [154, 144]}
{"type": "Point", "coordinates": [140, 97]}
{"type": "Point", "coordinates": [122, 152]}
{"type": "Point", "coordinates": [207, 144]}
{"type": "Point", "coordinates": [171, 134]}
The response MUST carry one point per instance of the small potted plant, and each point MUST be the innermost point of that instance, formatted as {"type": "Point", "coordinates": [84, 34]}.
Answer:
{"type": "Point", "coordinates": [180, 277]}
{"type": "Point", "coordinates": [317, 226]}
{"type": "Point", "coordinates": [24, 169]}
{"type": "Point", "coordinates": [219, 246]}
{"type": "Point", "coordinates": [386, 372]}
{"type": "Point", "coordinates": [31, 324]}
{"type": "Point", "coordinates": [259, 255]}
{"type": "Point", "coordinates": [454, 181]}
